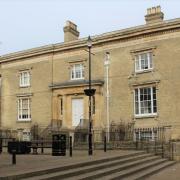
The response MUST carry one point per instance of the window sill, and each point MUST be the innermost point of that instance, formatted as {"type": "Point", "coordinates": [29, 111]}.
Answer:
{"type": "Point", "coordinates": [145, 116]}
{"type": "Point", "coordinates": [24, 86]}
{"type": "Point", "coordinates": [77, 79]}
{"type": "Point", "coordinates": [23, 120]}
{"type": "Point", "coordinates": [144, 71]}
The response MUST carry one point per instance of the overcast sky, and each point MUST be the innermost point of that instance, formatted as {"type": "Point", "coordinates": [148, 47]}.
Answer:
{"type": "Point", "coordinates": [26, 24]}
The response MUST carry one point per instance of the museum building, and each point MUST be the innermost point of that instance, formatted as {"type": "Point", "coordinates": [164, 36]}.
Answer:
{"type": "Point", "coordinates": [135, 72]}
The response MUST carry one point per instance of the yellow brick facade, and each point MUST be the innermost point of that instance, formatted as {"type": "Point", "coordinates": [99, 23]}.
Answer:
{"type": "Point", "coordinates": [50, 69]}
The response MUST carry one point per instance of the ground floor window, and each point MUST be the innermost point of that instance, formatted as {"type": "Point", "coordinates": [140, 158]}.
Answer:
{"type": "Point", "coordinates": [146, 134]}
{"type": "Point", "coordinates": [145, 101]}
{"type": "Point", "coordinates": [24, 111]}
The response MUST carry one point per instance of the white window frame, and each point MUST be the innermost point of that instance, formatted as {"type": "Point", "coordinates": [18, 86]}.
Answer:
{"type": "Point", "coordinates": [21, 108]}
{"type": "Point", "coordinates": [146, 135]}
{"type": "Point", "coordinates": [138, 60]}
{"type": "Point", "coordinates": [140, 114]}
{"type": "Point", "coordinates": [74, 71]}
{"type": "Point", "coordinates": [22, 78]}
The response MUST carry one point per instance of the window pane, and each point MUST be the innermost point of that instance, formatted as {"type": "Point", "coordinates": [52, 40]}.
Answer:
{"type": "Point", "coordinates": [77, 71]}
{"type": "Point", "coordinates": [154, 100]}
{"type": "Point", "coordinates": [136, 107]}
{"type": "Point", "coordinates": [137, 65]}
{"type": "Point", "coordinates": [24, 79]}
{"type": "Point", "coordinates": [72, 75]}
{"type": "Point", "coordinates": [136, 102]}
{"type": "Point", "coordinates": [146, 61]}
{"type": "Point", "coordinates": [143, 61]}
{"type": "Point", "coordinates": [146, 134]}
{"type": "Point", "coordinates": [150, 60]}
{"type": "Point", "coordinates": [145, 100]}
{"type": "Point", "coordinates": [24, 109]}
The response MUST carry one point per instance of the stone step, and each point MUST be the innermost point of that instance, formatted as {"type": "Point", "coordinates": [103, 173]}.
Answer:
{"type": "Point", "coordinates": [97, 168]}
{"type": "Point", "coordinates": [125, 174]}
{"type": "Point", "coordinates": [102, 173]}
{"type": "Point", "coordinates": [146, 173]}
{"type": "Point", "coordinates": [78, 165]}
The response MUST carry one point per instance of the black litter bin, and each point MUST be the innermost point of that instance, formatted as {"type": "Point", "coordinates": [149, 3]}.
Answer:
{"type": "Point", "coordinates": [59, 145]}
{"type": "Point", "coordinates": [21, 147]}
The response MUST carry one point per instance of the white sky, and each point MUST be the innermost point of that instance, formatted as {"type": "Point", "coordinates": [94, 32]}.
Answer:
{"type": "Point", "coordinates": [32, 23]}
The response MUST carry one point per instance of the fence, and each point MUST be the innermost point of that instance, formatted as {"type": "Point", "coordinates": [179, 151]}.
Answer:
{"type": "Point", "coordinates": [163, 148]}
{"type": "Point", "coordinates": [121, 136]}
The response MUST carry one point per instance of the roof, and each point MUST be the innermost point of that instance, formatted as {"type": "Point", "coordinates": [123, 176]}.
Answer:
{"type": "Point", "coordinates": [97, 39]}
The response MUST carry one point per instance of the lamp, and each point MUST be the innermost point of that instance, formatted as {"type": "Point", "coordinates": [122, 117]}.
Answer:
{"type": "Point", "coordinates": [90, 92]}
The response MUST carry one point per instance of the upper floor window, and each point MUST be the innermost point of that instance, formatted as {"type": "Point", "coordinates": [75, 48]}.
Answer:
{"type": "Point", "coordinates": [77, 71]}
{"type": "Point", "coordinates": [143, 62]}
{"type": "Point", "coordinates": [145, 101]}
{"type": "Point", "coordinates": [24, 79]}
{"type": "Point", "coordinates": [24, 112]}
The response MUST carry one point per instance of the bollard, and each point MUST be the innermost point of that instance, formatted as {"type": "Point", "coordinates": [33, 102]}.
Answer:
{"type": "Point", "coordinates": [70, 146]}
{"type": "Point", "coordinates": [105, 147]}
{"type": "Point", "coordinates": [1, 148]}
{"type": "Point", "coordinates": [42, 146]}
{"type": "Point", "coordinates": [13, 157]}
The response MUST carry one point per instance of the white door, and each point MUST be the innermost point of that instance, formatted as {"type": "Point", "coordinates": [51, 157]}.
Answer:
{"type": "Point", "coordinates": [77, 111]}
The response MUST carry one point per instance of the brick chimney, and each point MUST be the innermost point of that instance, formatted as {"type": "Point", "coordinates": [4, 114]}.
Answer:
{"type": "Point", "coordinates": [70, 31]}
{"type": "Point", "coordinates": [154, 15]}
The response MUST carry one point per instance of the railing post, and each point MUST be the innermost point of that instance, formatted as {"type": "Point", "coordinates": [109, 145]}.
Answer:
{"type": "Point", "coordinates": [162, 149]}
{"type": "Point", "coordinates": [155, 147]}
{"type": "Point", "coordinates": [35, 147]}
{"type": "Point", "coordinates": [105, 147]}
{"type": "Point", "coordinates": [172, 151]}
{"type": "Point", "coordinates": [137, 144]}
{"type": "Point", "coordinates": [147, 145]}
{"type": "Point", "coordinates": [42, 146]}
{"type": "Point", "coordinates": [142, 143]}
{"type": "Point", "coordinates": [169, 149]}
{"type": "Point", "coordinates": [13, 157]}
{"type": "Point", "coordinates": [1, 146]}
{"type": "Point", "coordinates": [70, 146]}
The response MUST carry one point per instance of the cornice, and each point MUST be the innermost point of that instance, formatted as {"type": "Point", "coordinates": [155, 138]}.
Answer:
{"type": "Point", "coordinates": [143, 83]}
{"type": "Point", "coordinates": [75, 84]}
{"type": "Point", "coordinates": [120, 36]}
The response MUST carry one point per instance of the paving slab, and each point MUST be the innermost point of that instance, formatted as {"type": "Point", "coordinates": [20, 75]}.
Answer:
{"type": "Point", "coordinates": [31, 163]}
{"type": "Point", "coordinates": [169, 173]}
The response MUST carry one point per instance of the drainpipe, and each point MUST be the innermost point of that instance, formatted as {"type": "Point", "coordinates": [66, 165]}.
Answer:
{"type": "Point", "coordinates": [107, 64]}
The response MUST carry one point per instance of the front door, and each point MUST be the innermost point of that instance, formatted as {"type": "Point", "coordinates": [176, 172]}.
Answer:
{"type": "Point", "coordinates": [77, 111]}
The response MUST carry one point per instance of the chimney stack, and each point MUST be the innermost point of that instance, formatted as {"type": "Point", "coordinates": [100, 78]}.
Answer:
{"type": "Point", "coordinates": [70, 32]}
{"type": "Point", "coordinates": [154, 15]}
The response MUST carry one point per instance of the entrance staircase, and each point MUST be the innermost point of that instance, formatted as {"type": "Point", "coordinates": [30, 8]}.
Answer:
{"type": "Point", "coordinates": [137, 165]}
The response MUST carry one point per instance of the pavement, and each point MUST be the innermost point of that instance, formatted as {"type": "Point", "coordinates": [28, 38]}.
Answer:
{"type": "Point", "coordinates": [30, 163]}
{"type": "Point", "coordinates": [169, 173]}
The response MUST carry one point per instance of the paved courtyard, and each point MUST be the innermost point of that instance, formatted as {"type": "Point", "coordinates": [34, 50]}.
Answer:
{"type": "Point", "coordinates": [30, 163]}
{"type": "Point", "coordinates": [170, 173]}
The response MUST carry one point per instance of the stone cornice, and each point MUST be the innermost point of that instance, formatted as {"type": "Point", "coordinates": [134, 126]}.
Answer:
{"type": "Point", "coordinates": [76, 83]}
{"type": "Point", "coordinates": [120, 36]}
